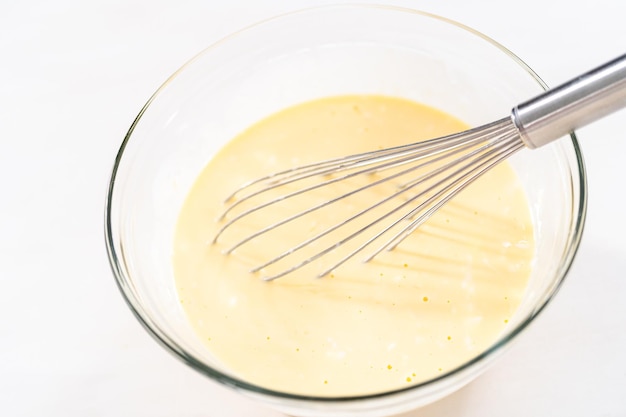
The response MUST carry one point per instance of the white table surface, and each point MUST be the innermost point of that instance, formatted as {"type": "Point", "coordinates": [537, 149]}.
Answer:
{"type": "Point", "coordinates": [73, 75]}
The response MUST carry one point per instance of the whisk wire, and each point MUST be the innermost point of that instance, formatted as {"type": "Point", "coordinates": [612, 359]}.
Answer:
{"type": "Point", "coordinates": [501, 144]}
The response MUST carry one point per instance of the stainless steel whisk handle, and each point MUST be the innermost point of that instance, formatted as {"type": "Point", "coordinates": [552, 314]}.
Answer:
{"type": "Point", "coordinates": [573, 104]}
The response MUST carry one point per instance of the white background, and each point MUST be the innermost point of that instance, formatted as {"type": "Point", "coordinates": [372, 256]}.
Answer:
{"type": "Point", "coordinates": [74, 74]}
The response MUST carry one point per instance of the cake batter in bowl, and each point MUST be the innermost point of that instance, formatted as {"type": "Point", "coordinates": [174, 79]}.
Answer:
{"type": "Point", "coordinates": [364, 51]}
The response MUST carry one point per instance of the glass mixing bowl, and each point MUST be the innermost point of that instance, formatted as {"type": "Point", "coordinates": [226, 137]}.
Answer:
{"type": "Point", "coordinates": [298, 57]}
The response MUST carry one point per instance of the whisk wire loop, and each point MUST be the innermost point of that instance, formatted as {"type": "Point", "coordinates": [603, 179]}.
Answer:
{"type": "Point", "coordinates": [458, 158]}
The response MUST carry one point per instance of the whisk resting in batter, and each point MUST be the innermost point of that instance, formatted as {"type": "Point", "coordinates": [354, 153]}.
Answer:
{"type": "Point", "coordinates": [421, 177]}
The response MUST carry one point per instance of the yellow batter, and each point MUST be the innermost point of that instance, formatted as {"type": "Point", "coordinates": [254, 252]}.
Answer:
{"type": "Point", "coordinates": [442, 297]}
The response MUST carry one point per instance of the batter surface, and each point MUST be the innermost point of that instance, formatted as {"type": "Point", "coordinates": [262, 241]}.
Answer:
{"type": "Point", "coordinates": [442, 297]}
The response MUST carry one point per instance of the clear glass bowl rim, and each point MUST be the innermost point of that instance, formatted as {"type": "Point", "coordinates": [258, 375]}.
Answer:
{"type": "Point", "coordinates": [162, 338]}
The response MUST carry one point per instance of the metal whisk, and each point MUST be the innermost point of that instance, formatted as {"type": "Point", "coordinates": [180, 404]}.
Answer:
{"type": "Point", "coordinates": [426, 175]}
